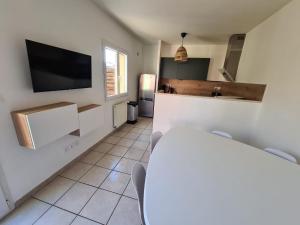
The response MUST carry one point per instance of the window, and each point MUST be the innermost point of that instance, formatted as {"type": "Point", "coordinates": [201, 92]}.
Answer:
{"type": "Point", "coordinates": [115, 72]}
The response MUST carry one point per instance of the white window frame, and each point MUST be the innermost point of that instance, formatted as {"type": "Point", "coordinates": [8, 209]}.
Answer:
{"type": "Point", "coordinates": [105, 45]}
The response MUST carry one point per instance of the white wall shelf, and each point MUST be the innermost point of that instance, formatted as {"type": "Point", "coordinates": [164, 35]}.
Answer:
{"type": "Point", "coordinates": [39, 126]}
{"type": "Point", "coordinates": [90, 118]}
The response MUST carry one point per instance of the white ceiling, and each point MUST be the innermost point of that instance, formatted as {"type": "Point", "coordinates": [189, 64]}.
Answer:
{"type": "Point", "coordinates": [205, 20]}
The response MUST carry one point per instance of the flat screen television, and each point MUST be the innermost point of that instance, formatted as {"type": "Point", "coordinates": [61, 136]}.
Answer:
{"type": "Point", "coordinates": [55, 68]}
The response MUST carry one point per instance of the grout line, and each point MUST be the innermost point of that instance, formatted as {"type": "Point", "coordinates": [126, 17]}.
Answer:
{"type": "Point", "coordinates": [95, 187]}
{"type": "Point", "coordinates": [99, 187]}
{"type": "Point", "coordinates": [76, 214]}
{"type": "Point", "coordinates": [76, 181]}
{"type": "Point", "coordinates": [93, 194]}
{"type": "Point", "coordinates": [134, 159]}
{"type": "Point", "coordinates": [85, 218]}
{"type": "Point", "coordinates": [117, 203]}
{"type": "Point", "coordinates": [126, 173]}
{"type": "Point", "coordinates": [52, 204]}
{"type": "Point", "coordinates": [62, 194]}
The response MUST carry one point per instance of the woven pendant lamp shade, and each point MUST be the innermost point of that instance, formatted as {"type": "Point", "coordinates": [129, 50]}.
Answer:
{"type": "Point", "coordinates": [181, 54]}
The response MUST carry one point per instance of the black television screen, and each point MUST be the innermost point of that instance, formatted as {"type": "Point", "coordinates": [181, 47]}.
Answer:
{"type": "Point", "coordinates": [55, 68]}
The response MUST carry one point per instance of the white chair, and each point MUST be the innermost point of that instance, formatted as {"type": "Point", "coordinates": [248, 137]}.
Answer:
{"type": "Point", "coordinates": [154, 139]}
{"type": "Point", "coordinates": [138, 175]}
{"type": "Point", "coordinates": [222, 134]}
{"type": "Point", "coordinates": [281, 154]}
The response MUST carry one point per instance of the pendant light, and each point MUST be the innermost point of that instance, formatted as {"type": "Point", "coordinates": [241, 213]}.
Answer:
{"type": "Point", "coordinates": [181, 54]}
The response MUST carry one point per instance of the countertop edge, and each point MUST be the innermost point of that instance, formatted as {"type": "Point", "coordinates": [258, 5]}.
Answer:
{"type": "Point", "coordinates": [207, 97]}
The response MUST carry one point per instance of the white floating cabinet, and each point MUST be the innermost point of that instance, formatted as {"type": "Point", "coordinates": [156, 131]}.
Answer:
{"type": "Point", "coordinates": [39, 126]}
{"type": "Point", "coordinates": [91, 117]}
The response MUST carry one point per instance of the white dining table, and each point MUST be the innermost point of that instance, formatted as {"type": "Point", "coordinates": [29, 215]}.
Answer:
{"type": "Point", "coordinates": [197, 178]}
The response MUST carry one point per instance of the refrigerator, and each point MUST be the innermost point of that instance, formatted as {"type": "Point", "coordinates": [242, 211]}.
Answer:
{"type": "Point", "coordinates": [146, 94]}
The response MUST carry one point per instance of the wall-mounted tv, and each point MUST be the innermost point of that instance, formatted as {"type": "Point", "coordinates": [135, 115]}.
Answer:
{"type": "Point", "coordinates": [55, 68]}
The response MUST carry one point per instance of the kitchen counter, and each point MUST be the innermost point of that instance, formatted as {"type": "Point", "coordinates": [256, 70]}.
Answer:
{"type": "Point", "coordinates": [225, 98]}
{"type": "Point", "coordinates": [246, 91]}
{"type": "Point", "coordinates": [234, 116]}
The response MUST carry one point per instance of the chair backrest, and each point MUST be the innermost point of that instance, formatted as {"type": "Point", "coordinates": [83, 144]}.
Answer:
{"type": "Point", "coordinates": [155, 138]}
{"type": "Point", "coordinates": [222, 134]}
{"type": "Point", "coordinates": [138, 175]}
{"type": "Point", "coordinates": [281, 154]}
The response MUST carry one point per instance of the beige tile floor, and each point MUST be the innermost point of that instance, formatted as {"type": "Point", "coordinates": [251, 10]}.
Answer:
{"type": "Point", "coordinates": [95, 190]}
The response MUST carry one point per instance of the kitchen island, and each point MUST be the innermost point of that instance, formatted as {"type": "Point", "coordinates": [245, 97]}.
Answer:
{"type": "Point", "coordinates": [235, 116]}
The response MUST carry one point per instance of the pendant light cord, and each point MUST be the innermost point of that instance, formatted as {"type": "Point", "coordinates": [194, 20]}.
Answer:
{"type": "Point", "coordinates": [183, 34]}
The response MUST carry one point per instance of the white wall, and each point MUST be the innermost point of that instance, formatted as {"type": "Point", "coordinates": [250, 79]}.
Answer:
{"type": "Point", "coordinates": [271, 55]}
{"type": "Point", "coordinates": [77, 25]}
{"type": "Point", "coordinates": [150, 55]}
{"type": "Point", "coordinates": [216, 53]}
{"type": "Point", "coordinates": [233, 116]}
{"type": "Point", "coordinates": [3, 205]}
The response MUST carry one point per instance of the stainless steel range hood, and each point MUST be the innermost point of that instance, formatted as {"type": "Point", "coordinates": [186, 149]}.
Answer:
{"type": "Point", "coordinates": [226, 75]}
{"type": "Point", "coordinates": [233, 55]}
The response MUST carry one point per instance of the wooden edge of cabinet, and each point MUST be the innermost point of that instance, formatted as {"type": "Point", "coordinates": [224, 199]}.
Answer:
{"type": "Point", "coordinates": [20, 121]}
{"type": "Point", "coordinates": [22, 130]}
{"type": "Point", "coordinates": [43, 108]}
{"type": "Point", "coordinates": [87, 107]}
